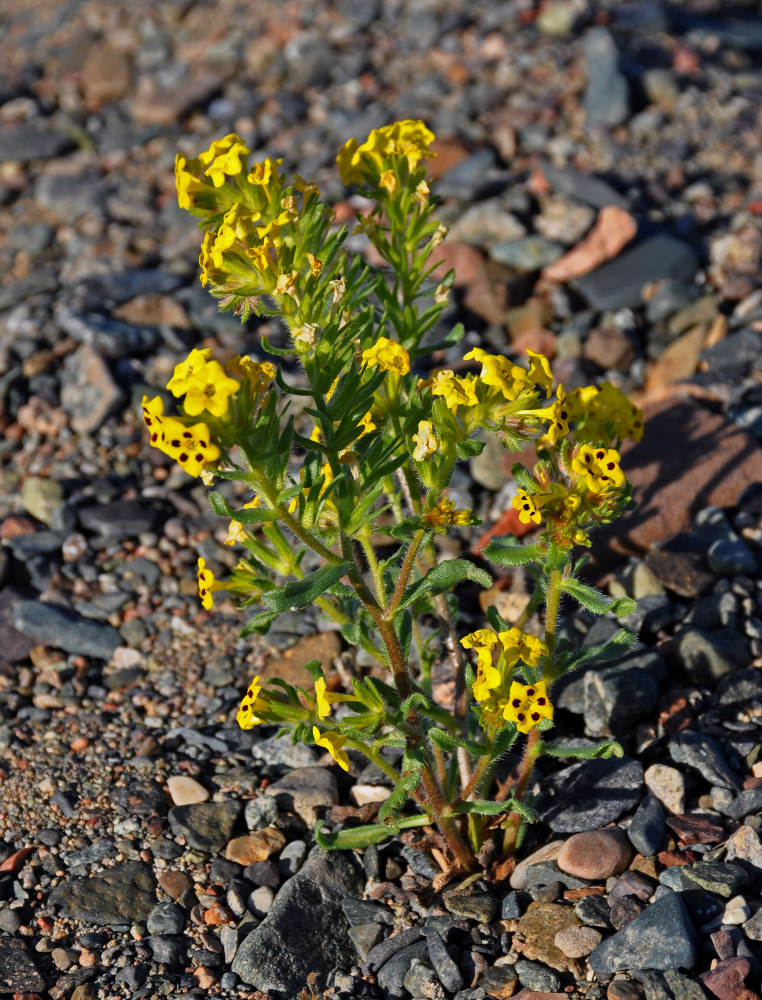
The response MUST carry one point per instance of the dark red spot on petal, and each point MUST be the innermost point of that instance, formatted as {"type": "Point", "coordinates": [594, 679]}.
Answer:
{"type": "Point", "coordinates": [530, 692]}
{"type": "Point", "coordinates": [541, 701]}
{"type": "Point", "coordinates": [535, 716]}
{"type": "Point", "coordinates": [516, 703]}
{"type": "Point", "coordinates": [182, 458]}
{"type": "Point", "coordinates": [521, 717]}
{"type": "Point", "coordinates": [600, 454]}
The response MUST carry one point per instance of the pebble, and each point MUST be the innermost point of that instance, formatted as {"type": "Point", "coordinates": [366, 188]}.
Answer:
{"type": "Point", "coordinates": [255, 846]}
{"type": "Point", "coordinates": [186, 791]}
{"type": "Point", "coordinates": [661, 937]}
{"type": "Point", "coordinates": [598, 854]}
{"type": "Point", "coordinates": [577, 942]}
{"type": "Point", "coordinates": [647, 827]}
{"type": "Point", "coordinates": [207, 825]}
{"type": "Point", "coordinates": [607, 95]}
{"type": "Point", "coordinates": [537, 977]}
{"type": "Point", "coordinates": [589, 794]}
{"type": "Point", "coordinates": [667, 785]}
{"type": "Point", "coordinates": [500, 981]}
{"type": "Point", "coordinates": [63, 628]}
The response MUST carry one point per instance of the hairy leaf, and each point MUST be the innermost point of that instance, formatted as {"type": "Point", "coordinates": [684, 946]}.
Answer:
{"type": "Point", "coordinates": [504, 552]}
{"type": "Point", "coordinates": [300, 593]}
{"type": "Point", "coordinates": [596, 601]}
{"type": "Point", "coordinates": [444, 576]}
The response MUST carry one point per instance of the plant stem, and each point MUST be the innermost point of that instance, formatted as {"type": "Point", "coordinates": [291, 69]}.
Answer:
{"type": "Point", "coordinates": [531, 751]}
{"type": "Point", "coordinates": [405, 570]}
{"type": "Point", "coordinates": [552, 600]}
{"type": "Point", "coordinates": [375, 569]}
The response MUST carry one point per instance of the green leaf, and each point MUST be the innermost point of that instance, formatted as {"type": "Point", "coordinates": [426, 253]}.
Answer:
{"type": "Point", "coordinates": [609, 748]}
{"type": "Point", "coordinates": [300, 593]}
{"type": "Point", "coordinates": [362, 836]}
{"type": "Point", "coordinates": [443, 577]}
{"type": "Point", "coordinates": [523, 478]}
{"type": "Point", "coordinates": [504, 552]}
{"type": "Point", "coordinates": [453, 337]}
{"type": "Point", "coordinates": [315, 669]}
{"type": "Point", "coordinates": [615, 646]}
{"type": "Point", "coordinates": [596, 601]}
{"type": "Point", "coordinates": [259, 624]}
{"type": "Point", "coordinates": [482, 807]}
{"type": "Point", "coordinates": [496, 620]}
{"type": "Point", "coordinates": [252, 515]}
{"type": "Point", "coordinates": [448, 741]}
{"type": "Point", "coordinates": [469, 448]}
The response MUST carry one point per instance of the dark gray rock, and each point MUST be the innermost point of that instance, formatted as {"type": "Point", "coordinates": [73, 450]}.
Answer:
{"type": "Point", "coordinates": [102, 291]}
{"type": "Point", "coordinates": [420, 862]}
{"type": "Point", "coordinates": [477, 906]}
{"type": "Point", "coordinates": [594, 912]}
{"type": "Point", "coordinates": [647, 827]}
{"type": "Point", "coordinates": [618, 283]}
{"type": "Point", "coordinates": [361, 911]}
{"type": "Point", "coordinates": [607, 94]}
{"type": "Point", "coordinates": [708, 656]}
{"type": "Point", "coordinates": [584, 187]}
{"type": "Point", "coordinates": [133, 976]}
{"type": "Point", "coordinates": [590, 794]}
{"type": "Point", "coordinates": [512, 907]}
{"type": "Point", "coordinates": [536, 976]}
{"type": "Point", "coordinates": [41, 543]}
{"type": "Point", "coordinates": [121, 519]}
{"type": "Point", "coordinates": [32, 141]}
{"type": "Point", "coordinates": [731, 557]}
{"type": "Point", "coordinates": [498, 981]}
{"type": "Point", "coordinates": [704, 754]}
{"type": "Point", "coordinates": [449, 974]}
{"type": "Point", "coordinates": [305, 929]}
{"type": "Point", "coordinates": [103, 848]}
{"type": "Point", "coordinates": [124, 894]}
{"type": "Point", "coordinates": [391, 975]}
{"type": "Point", "coordinates": [113, 338]}
{"type": "Point", "coordinates": [548, 872]}
{"type": "Point", "coordinates": [749, 801]}
{"type": "Point", "coordinates": [291, 858]}
{"type": "Point", "coordinates": [421, 980]}
{"type": "Point", "coordinates": [740, 687]}
{"type": "Point", "coordinates": [70, 196]}
{"type": "Point", "coordinates": [166, 950]}
{"type": "Point", "coordinates": [205, 825]}
{"type": "Point", "coordinates": [617, 698]}
{"type": "Point", "coordinates": [384, 950]}
{"type": "Point", "coordinates": [661, 937]}
{"type": "Point", "coordinates": [365, 937]}
{"type": "Point", "coordinates": [18, 971]}
{"type": "Point", "coordinates": [529, 253]}
{"type": "Point", "coordinates": [46, 623]}
{"type": "Point", "coordinates": [724, 880]}
{"type": "Point", "coordinates": [469, 177]}
{"type": "Point", "coordinates": [733, 358]}
{"type": "Point", "coordinates": [165, 918]}
{"type": "Point", "coordinates": [671, 297]}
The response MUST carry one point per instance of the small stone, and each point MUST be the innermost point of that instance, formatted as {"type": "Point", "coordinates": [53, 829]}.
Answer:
{"type": "Point", "coordinates": [577, 942]}
{"type": "Point", "coordinates": [500, 982]}
{"type": "Point", "coordinates": [597, 854]}
{"type": "Point", "coordinates": [752, 928]}
{"type": "Point", "coordinates": [261, 812]}
{"type": "Point", "coordinates": [613, 230]}
{"type": "Point", "coordinates": [745, 845]}
{"type": "Point", "coordinates": [206, 826]}
{"type": "Point", "coordinates": [720, 879]}
{"type": "Point", "coordinates": [421, 981]}
{"type": "Point", "coordinates": [255, 846]}
{"type": "Point", "coordinates": [363, 794]}
{"type": "Point", "coordinates": [610, 348]}
{"type": "Point", "coordinates": [481, 907]}
{"type": "Point", "coordinates": [484, 223]}
{"type": "Point", "coordinates": [564, 222]}
{"type": "Point", "coordinates": [528, 254]}
{"type": "Point", "coordinates": [537, 930]}
{"type": "Point", "coordinates": [106, 74]}
{"type": "Point", "coordinates": [594, 911]}
{"type": "Point", "coordinates": [736, 911]}
{"type": "Point", "coordinates": [537, 977]}
{"type": "Point", "coordinates": [360, 911]}
{"type": "Point", "coordinates": [704, 754]}
{"type": "Point", "coordinates": [40, 497]}
{"type": "Point", "coordinates": [661, 937]}
{"type": "Point", "coordinates": [175, 884]}
{"type": "Point", "coordinates": [448, 972]}
{"type": "Point", "coordinates": [260, 900]}
{"type": "Point", "coordinates": [624, 989]}
{"type": "Point", "coordinates": [391, 975]}
{"type": "Point", "coordinates": [731, 557]}
{"type": "Point", "coordinates": [647, 827]}
{"type": "Point", "coordinates": [667, 785]}
{"type": "Point", "coordinates": [696, 829]}
{"type": "Point", "coordinates": [291, 858]}
{"type": "Point", "coordinates": [127, 888]}
{"type": "Point", "coordinates": [32, 141]}
{"type": "Point", "coordinates": [708, 656]}
{"type": "Point", "coordinates": [726, 981]}
{"type": "Point", "coordinates": [165, 918]}
{"type": "Point", "coordinates": [89, 393]}
{"type": "Point", "coordinates": [65, 629]}
{"type": "Point", "coordinates": [186, 791]}
{"type": "Point", "coordinates": [364, 937]}
{"type": "Point", "coordinates": [590, 794]}
{"type": "Point", "coordinates": [607, 94]}
{"type": "Point", "coordinates": [305, 791]}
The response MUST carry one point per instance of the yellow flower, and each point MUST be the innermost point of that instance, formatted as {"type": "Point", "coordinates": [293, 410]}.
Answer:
{"type": "Point", "coordinates": [206, 584]}
{"type": "Point", "coordinates": [457, 390]}
{"type": "Point", "coordinates": [481, 637]}
{"type": "Point", "coordinates": [223, 158]}
{"type": "Point", "coordinates": [527, 705]}
{"type": "Point", "coordinates": [600, 467]}
{"type": "Point", "coordinates": [499, 373]}
{"type": "Point", "coordinates": [209, 388]}
{"type": "Point", "coordinates": [522, 645]}
{"type": "Point", "coordinates": [236, 531]}
{"type": "Point", "coordinates": [185, 371]}
{"type": "Point", "coordinates": [527, 508]}
{"type": "Point", "coordinates": [205, 257]}
{"type": "Point", "coordinates": [421, 193]}
{"type": "Point", "coordinates": [316, 266]}
{"type": "Point", "coordinates": [425, 441]}
{"type": "Point", "coordinates": [258, 374]}
{"type": "Point", "coordinates": [323, 704]}
{"type": "Point", "coordinates": [153, 418]}
{"type": "Point", "coordinates": [408, 139]}
{"type": "Point", "coordinates": [388, 181]}
{"type": "Point", "coordinates": [333, 743]}
{"type": "Point", "coordinates": [444, 514]}
{"type": "Point", "coordinates": [286, 285]}
{"type": "Point", "coordinates": [190, 446]}
{"type": "Point", "coordinates": [264, 257]}
{"type": "Point", "coordinates": [261, 173]}
{"type": "Point", "coordinates": [306, 190]}
{"type": "Point", "coordinates": [557, 414]}
{"type": "Point", "coordinates": [539, 371]}
{"type": "Point", "coordinates": [487, 677]}
{"type": "Point", "coordinates": [186, 180]}
{"type": "Point", "coordinates": [246, 717]}
{"type": "Point", "coordinates": [387, 355]}
{"type": "Point", "coordinates": [305, 334]}
{"type": "Point", "coordinates": [237, 224]}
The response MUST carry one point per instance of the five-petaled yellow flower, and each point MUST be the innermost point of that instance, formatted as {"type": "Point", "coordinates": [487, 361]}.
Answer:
{"type": "Point", "coordinates": [600, 467]}
{"type": "Point", "coordinates": [527, 508]}
{"type": "Point", "coordinates": [247, 717]}
{"type": "Point", "coordinates": [387, 355]}
{"type": "Point", "coordinates": [457, 390]}
{"type": "Point", "coordinates": [527, 705]}
{"type": "Point", "coordinates": [185, 371]}
{"type": "Point", "coordinates": [332, 742]}
{"type": "Point", "coordinates": [206, 584]}
{"type": "Point", "coordinates": [425, 441]}
{"type": "Point", "coordinates": [223, 158]}
{"type": "Point", "coordinates": [210, 389]}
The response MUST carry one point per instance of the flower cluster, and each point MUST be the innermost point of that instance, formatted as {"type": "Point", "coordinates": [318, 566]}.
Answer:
{"type": "Point", "coordinates": [387, 157]}
{"type": "Point", "coordinates": [499, 655]}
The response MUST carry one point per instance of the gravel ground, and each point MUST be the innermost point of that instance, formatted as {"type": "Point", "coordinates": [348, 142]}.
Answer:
{"type": "Point", "coordinates": [599, 168]}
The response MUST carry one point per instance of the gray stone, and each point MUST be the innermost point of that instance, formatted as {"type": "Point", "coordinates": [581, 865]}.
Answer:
{"type": "Point", "coordinates": [734, 357]}
{"type": "Point", "coordinates": [305, 930]}
{"type": "Point", "coordinates": [391, 975]}
{"type": "Point", "coordinates": [124, 894]}
{"type": "Point", "coordinates": [498, 981]}
{"type": "Point", "coordinates": [731, 557]}
{"type": "Point", "coordinates": [40, 497]}
{"type": "Point", "coordinates": [752, 928]}
{"type": "Point", "coordinates": [291, 858]}
{"type": "Point", "coordinates": [617, 698]}
{"type": "Point", "coordinates": [46, 623]}
{"type": "Point", "coordinates": [530, 253]}
{"type": "Point", "coordinates": [740, 687]}
{"type": "Point", "coordinates": [480, 907]}
{"type": "Point", "coordinates": [607, 94]}
{"type": "Point", "coordinates": [584, 187]}
{"type": "Point", "coordinates": [421, 981]}
{"type": "Point", "coordinates": [725, 880]}
{"type": "Point", "coordinates": [590, 794]}
{"type": "Point", "coordinates": [276, 754]}
{"type": "Point", "coordinates": [102, 848]}
{"type": "Point", "coordinates": [304, 791]}
{"type": "Point", "coordinates": [618, 283]}
{"type": "Point", "coordinates": [32, 141]}
{"type": "Point", "coordinates": [364, 937]}
{"type": "Point", "coordinates": [166, 950]}
{"type": "Point", "coordinates": [103, 291]}
{"type": "Point", "coordinates": [661, 937]}
{"type": "Point", "coordinates": [206, 826]}
{"type": "Point", "coordinates": [121, 519]}
{"type": "Point", "coordinates": [548, 872]}
{"type": "Point", "coordinates": [484, 223]}
{"type": "Point", "coordinates": [361, 911]}
{"type": "Point", "coordinates": [89, 393]}
{"type": "Point", "coordinates": [594, 911]}
{"type": "Point", "coordinates": [704, 754]}
{"type": "Point", "coordinates": [18, 971]}
{"type": "Point", "coordinates": [165, 918]}
{"type": "Point", "coordinates": [538, 977]}
{"type": "Point", "coordinates": [112, 338]}
{"type": "Point", "coordinates": [261, 812]}
{"type": "Point", "coordinates": [70, 196]}
{"type": "Point", "coordinates": [646, 830]}
{"type": "Point", "coordinates": [449, 974]}
{"type": "Point", "coordinates": [468, 178]}
{"type": "Point", "coordinates": [749, 801]}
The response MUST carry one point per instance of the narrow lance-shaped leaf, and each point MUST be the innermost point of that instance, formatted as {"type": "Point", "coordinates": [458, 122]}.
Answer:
{"type": "Point", "coordinates": [259, 624]}
{"type": "Point", "coordinates": [361, 836]}
{"type": "Point", "coordinates": [252, 515]}
{"type": "Point", "coordinates": [597, 602]}
{"type": "Point", "coordinates": [300, 593]}
{"type": "Point", "coordinates": [444, 576]}
{"type": "Point", "coordinates": [505, 553]}
{"type": "Point", "coordinates": [622, 640]}
{"type": "Point", "coordinates": [609, 748]}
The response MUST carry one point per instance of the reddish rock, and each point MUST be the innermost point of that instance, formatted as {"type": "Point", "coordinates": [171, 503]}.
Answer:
{"type": "Point", "coordinates": [596, 854]}
{"type": "Point", "coordinates": [448, 154]}
{"type": "Point", "coordinates": [613, 230]}
{"type": "Point", "coordinates": [680, 359]}
{"type": "Point", "coordinates": [696, 829]}
{"type": "Point", "coordinates": [485, 295]}
{"type": "Point", "coordinates": [175, 884]}
{"type": "Point", "coordinates": [624, 989]}
{"type": "Point", "coordinates": [727, 979]}
{"type": "Point", "coordinates": [15, 862]}
{"type": "Point", "coordinates": [323, 646]}
{"type": "Point", "coordinates": [255, 846]}
{"type": "Point", "coordinates": [106, 74]}
{"type": "Point", "coordinates": [688, 458]}
{"type": "Point", "coordinates": [610, 348]}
